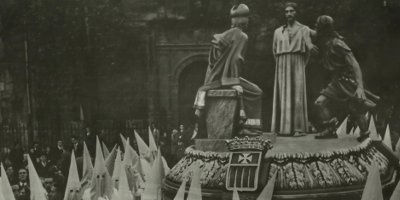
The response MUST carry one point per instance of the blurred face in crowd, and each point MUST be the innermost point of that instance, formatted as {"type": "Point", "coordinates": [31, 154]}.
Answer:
{"type": "Point", "coordinates": [10, 171]}
{"type": "Point", "coordinates": [53, 193]}
{"type": "Point", "coordinates": [43, 158]}
{"type": "Point", "coordinates": [48, 183]}
{"type": "Point", "coordinates": [181, 127]}
{"type": "Point", "coordinates": [25, 157]}
{"type": "Point", "coordinates": [74, 141]}
{"type": "Point", "coordinates": [60, 143]}
{"type": "Point", "coordinates": [48, 149]}
{"type": "Point", "coordinates": [15, 189]}
{"type": "Point", "coordinates": [290, 14]}
{"type": "Point", "coordinates": [22, 175]}
{"type": "Point", "coordinates": [87, 131]}
{"type": "Point", "coordinates": [174, 131]}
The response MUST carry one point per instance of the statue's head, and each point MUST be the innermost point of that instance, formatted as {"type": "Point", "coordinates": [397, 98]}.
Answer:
{"type": "Point", "coordinates": [324, 24]}
{"type": "Point", "coordinates": [290, 11]}
{"type": "Point", "coordinates": [240, 16]}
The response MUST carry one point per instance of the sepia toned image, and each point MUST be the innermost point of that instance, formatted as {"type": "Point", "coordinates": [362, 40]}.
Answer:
{"type": "Point", "coordinates": [199, 99]}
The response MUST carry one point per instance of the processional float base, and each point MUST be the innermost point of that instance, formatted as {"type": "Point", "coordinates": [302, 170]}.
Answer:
{"type": "Point", "coordinates": [305, 169]}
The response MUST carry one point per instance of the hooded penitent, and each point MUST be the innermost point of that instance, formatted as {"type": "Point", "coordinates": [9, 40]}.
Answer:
{"type": "Point", "coordinates": [144, 150]}
{"type": "Point", "coordinates": [5, 186]}
{"type": "Point", "coordinates": [268, 190]}
{"type": "Point", "coordinates": [106, 152]}
{"type": "Point", "coordinates": [195, 184]}
{"type": "Point", "coordinates": [373, 187]}
{"type": "Point", "coordinates": [124, 190]}
{"type": "Point", "coordinates": [110, 160]}
{"type": "Point", "coordinates": [73, 189]}
{"type": "Point", "coordinates": [1, 193]}
{"type": "Point", "coordinates": [117, 169]}
{"type": "Point", "coordinates": [152, 144]}
{"type": "Point", "coordinates": [235, 195]}
{"type": "Point", "coordinates": [387, 139]}
{"type": "Point", "coordinates": [180, 195]}
{"type": "Point", "coordinates": [36, 187]}
{"type": "Point", "coordinates": [372, 128]}
{"type": "Point", "coordinates": [342, 130]}
{"type": "Point", "coordinates": [397, 149]}
{"type": "Point", "coordinates": [396, 192]}
{"type": "Point", "coordinates": [101, 185]}
{"type": "Point", "coordinates": [87, 172]}
{"type": "Point", "coordinates": [123, 140]}
{"type": "Point", "coordinates": [152, 190]}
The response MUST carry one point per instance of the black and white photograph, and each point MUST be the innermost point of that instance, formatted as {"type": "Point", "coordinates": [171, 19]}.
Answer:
{"type": "Point", "coordinates": [199, 99]}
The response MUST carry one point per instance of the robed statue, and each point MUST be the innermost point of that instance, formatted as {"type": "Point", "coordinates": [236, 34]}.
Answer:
{"type": "Point", "coordinates": [226, 62]}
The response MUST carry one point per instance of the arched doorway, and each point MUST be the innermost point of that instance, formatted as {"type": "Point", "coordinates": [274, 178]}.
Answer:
{"type": "Point", "coordinates": [190, 79]}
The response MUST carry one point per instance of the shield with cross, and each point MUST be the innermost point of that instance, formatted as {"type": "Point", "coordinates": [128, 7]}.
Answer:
{"type": "Point", "coordinates": [243, 170]}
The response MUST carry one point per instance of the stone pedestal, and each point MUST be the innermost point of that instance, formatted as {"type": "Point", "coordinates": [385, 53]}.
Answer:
{"type": "Point", "coordinates": [221, 112]}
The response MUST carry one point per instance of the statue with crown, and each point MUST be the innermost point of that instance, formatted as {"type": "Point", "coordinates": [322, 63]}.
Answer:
{"type": "Point", "coordinates": [233, 159]}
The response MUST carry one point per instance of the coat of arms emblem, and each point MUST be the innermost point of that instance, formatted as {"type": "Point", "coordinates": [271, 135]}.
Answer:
{"type": "Point", "coordinates": [244, 162]}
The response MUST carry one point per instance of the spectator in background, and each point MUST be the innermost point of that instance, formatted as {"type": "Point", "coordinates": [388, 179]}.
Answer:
{"type": "Point", "coordinates": [17, 155]}
{"type": "Point", "coordinates": [55, 193]}
{"type": "Point", "coordinates": [10, 174]}
{"type": "Point", "coordinates": [164, 143]}
{"type": "Point", "coordinates": [90, 140]}
{"type": "Point", "coordinates": [184, 135]}
{"type": "Point", "coordinates": [48, 183]}
{"type": "Point", "coordinates": [59, 178]}
{"type": "Point", "coordinates": [34, 152]}
{"type": "Point", "coordinates": [156, 133]}
{"type": "Point", "coordinates": [174, 141]}
{"type": "Point", "coordinates": [76, 146]}
{"type": "Point", "coordinates": [43, 166]}
{"type": "Point", "coordinates": [49, 154]}
{"type": "Point", "coordinates": [58, 151]}
{"type": "Point", "coordinates": [21, 189]}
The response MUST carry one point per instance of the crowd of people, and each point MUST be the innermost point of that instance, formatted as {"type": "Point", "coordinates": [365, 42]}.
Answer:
{"type": "Point", "coordinates": [52, 162]}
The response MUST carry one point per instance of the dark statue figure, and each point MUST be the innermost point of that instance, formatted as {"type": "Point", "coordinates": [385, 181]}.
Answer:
{"type": "Point", "coordinates": [226, 60]}
{"type": "Point", "coordinates": [346, 85]}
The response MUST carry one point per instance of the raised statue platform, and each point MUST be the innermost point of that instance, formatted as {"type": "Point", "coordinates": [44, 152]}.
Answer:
{"type": "Point", "coordinates": [306, 169]}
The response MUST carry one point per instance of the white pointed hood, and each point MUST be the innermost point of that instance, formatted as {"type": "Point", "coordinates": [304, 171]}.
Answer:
{"type": "Point", "coordinates": [195, 184]}
{"type": "Point", "coordinates": [87, 172]}
{"type": "Point", "coordinates": [144, 150]}
{"type": "Point", "coordinates": [117, 169]}
{"type": "Point", "coordinates": [180, 195]}
{"type": "Point", "coordinates": [387, 139]}
{"type": "Point", "coordinates": [106, 152]}
{"type": "Point", "coordinates": [153, 184]}
{"type": "Point", "coordinates": [110, 160]}
{"type": "Point", "coordinates": [268, 190]}
{"type": "Point", "coordinates": [342, 130]}
{"type": "Point", "coordinates": [123, 188]}
{"type": "Point", "coordinates": [101, 185]}
{"type": "Point", "coordinates": [373, 187]}
{"type": "Point", "coordinates": [372, 128]}
{"type": "Point", "coordinates": [152, 142]}
{"type": "Point", "coordinates": [5, 186]}
{"type": "Point", "coordinates": [396, 192]}
{"type": "Point", "coordinates": [73, 189]}
{"type": "Point", "coordinates": [36, 186]}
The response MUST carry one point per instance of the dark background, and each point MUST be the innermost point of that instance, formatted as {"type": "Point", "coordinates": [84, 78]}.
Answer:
{"type": "Point", "coordinates": [94, 55]}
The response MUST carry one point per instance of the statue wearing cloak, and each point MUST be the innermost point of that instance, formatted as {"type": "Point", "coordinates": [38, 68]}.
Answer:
{"type": "Point", "coordinates": [226, 60]}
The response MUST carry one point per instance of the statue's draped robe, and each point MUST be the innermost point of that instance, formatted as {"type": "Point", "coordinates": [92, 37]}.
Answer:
{"type": "Point", "coordinates": [226, 60]}
{"type": "Point", "coordinates": [289, 112]}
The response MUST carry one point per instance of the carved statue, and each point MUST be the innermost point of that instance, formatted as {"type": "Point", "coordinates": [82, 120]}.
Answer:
{"type": "Point", "coordinates": [223, 76]}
